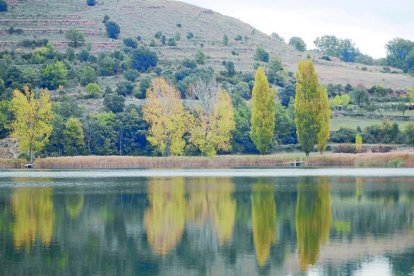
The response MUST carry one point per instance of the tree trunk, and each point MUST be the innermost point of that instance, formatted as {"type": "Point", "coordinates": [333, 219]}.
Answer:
{"type": "Point", "coordinates": [31, 154]}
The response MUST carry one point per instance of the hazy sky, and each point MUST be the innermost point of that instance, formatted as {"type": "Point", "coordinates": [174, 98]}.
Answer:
{"type": "Point", "coordinates": [369, 23]}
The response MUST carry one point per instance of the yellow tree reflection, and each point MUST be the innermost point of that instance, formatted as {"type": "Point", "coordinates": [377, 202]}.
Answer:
{"type": "Point", "coordinates": [313, 220]}
{"type": "Point", "coordinates": [212, 198]}
{"type": "Point", "coordinates": [359, 188]}
{"type": "Point", "coordinates": [33, 216]}
{"type": "Point", "coordinates": [263, 220]}
{"type": "Point", "coordinates": [165, 218]}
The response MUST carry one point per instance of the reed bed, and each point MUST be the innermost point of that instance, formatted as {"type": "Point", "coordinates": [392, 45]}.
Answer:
{"type": "Point", "coordinates": [392, 159]}
{"type": "Point", "coordinates": [12, 163]}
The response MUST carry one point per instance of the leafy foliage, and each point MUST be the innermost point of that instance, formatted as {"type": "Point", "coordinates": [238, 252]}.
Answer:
{"type": "Point", "coordinates": [54, 75]}
{"type": "Point", "coordinates": [33, 115]}
{"type": "Point", "coordinates": [73, 138]}
{"type": "Point", "coordinates": [112, 29]}
{"type": "Point", "coordinates": [297, 43]}
{"type": "Point", "coordinates": [75, 38]}
{"type": "Point", "coordinates": [263, 112]}
{"type": "Point", "coordinates": [144, 59]}
{"type": "Point", "coordinates": [261, 55]}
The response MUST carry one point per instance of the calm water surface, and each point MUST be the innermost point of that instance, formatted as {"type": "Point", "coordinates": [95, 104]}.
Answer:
{"type": "Point", "coordinates": [208, 222]}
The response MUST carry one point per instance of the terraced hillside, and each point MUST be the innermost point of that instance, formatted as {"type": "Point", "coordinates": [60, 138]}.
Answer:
{"type": "Point", "coordinates": [51, 19]}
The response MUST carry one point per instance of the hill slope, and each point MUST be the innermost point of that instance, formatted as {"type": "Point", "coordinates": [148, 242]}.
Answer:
{"type": "Point", "coordinates": [50, 19]}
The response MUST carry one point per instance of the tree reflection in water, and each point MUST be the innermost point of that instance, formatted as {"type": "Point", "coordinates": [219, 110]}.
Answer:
{"type": "Point", "coordinates": [165, 218]}
{"type": "Point", "coordinates": [212, 198]}
{"type": "Point", "coordinates": [263, 220]}
{"type": "Point", "coordinates": [74, 204]}
{"type": "Point", "coordinates": [313, 220]}
{"type": "Point", "coordinates": [33, 216]}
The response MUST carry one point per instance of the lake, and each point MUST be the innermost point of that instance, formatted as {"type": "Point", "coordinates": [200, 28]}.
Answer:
{"type": "Point", "coordinates": [207, 222]}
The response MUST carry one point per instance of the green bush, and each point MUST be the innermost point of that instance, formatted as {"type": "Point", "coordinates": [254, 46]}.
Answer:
{"type": "Point", "coordinates": [112, 29]}
{"type": "Point", "coordinates": [3, 6]}
{"type": "Point", "coordinates": [93, 90]}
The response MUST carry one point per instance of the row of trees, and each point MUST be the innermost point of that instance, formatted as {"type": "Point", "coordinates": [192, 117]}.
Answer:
{"type": "Point", "coordinates": [208, 123]}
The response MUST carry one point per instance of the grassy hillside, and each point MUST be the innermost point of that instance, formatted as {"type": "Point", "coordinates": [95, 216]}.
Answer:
{"type": "Point", "coordinates": [51, 19]}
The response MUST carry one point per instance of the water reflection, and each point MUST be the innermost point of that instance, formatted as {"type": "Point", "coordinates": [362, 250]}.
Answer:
{"type": "Point", "coordinates": [313, 220]}
{"type": "Point", "coordinates": [263, 220]}
{"type": "Point", "coordinates": [208, 226]}
{"type": "Point", "coordinates": [165, 218]}
{"type": "Point", "coordinates": [33, 216]}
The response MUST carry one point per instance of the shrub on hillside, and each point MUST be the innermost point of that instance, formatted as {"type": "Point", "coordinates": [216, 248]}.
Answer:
{"type": "Point", "coordinates": [261, 55]}
{"type": "Point", "coordinates": [87, 75]}
{"type": "Point", "coordinates": [114, 102]}
{"type": "Point", "coordinates": [130, 42]}
{"type": "Point", "coordinates": [3, 6]}
{"type": "Point", "coordinates": [144, 59]}
{"type": "Point", "coordinates": [344, 148]}
{"type": "Point", "coordinates": [112, 29]}
{"type": "Point", "coordinates": [93, 90]}
{"type": "Point", "coordinates": [91, 3]}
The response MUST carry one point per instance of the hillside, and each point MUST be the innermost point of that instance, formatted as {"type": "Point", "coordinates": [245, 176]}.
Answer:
{"type": "Point", "coordinates": [51, 19]}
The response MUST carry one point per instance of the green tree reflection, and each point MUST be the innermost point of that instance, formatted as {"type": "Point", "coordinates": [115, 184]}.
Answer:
{"type": "Point", "coordinates": [263, 220]}
{"type": "Point", "coordinates": [33, 216]}
{"type": "Point", "coordinates": [313, 220]}
{"type": "Point", "coordinates": [74, 204]}
{"type": "Point", "coordinates": [165, 218]}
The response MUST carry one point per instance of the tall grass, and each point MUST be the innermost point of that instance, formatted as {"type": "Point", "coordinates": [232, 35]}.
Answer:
{"type": "Point", "coordinates": [392, 159]}
{"type": "Point", "coordinates": [12, 163]}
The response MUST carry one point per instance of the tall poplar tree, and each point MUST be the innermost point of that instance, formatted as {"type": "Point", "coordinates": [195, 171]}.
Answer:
{"type": "Point", "coordinates": [324, 119]}
{"type": "Point", "coordinates": [307, 106]}
{"type": "Point", "coordinates": [263, 112]}
{"type": "Point", "coordinates": [33, 115]}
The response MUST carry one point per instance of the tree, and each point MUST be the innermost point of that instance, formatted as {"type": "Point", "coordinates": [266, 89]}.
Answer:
{"type": "Point", "coordinates": [73, 138]}
{"type": "Point", "coordinates": [409, 134]}
{"type": "Point", "coordinates": [87, 75]}
{"type": "Point", "coordinates": [212, 122]}
{"type": "Point", "coordinates": [75, 38]}
{"type": "Point", "coordinates": [33, 116]}
{"type": "Point", "coordinates": [164, 113]}
{"type": "Point", "coordinates": [200, 57]}
{"type": "Point", "coordinates": [398, 50]}
{"type": "Point", "coordinates": [358, 142]}
{"type": "Point", "coordinates": [324, 119]}
{"type": "Point", "coordinates": [341, 48]}
{"type": "Point", "coordinates": [144, 59]}
{"type": "Point", "coordinates": [297, 43]}
{"type": "Point", "coordinates": [261, 55]}
{"type": "Point", "coordinates": [130, 42]}
{"type": "Point", "coordinates": [112, 29]}
{"type": "Point", "coordinates": [93, 90]}
{"type": "Point", "coordinates": [54, 75]}
{"type": "Point", "coordinates": [5, 118]}
{"type": "Point", "coordinates": [91, 3]}
{"type": "Point", "coordinates": [360, 96]}
{"type": "Point", "coordinates": [114, 102]}
{"type": "Point", "coordinates": [263, 112]}
{"type": "Point", "coordinates": [225, 40]}
{"type": "Point", "coordinates": [412, 95]}
{"type": "Point", "coordinates": [307, 105]}
{"type": "Point", "coordinates": [3, 6]}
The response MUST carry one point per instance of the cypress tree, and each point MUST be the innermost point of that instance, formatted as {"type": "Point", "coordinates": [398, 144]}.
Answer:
{"type": "Point", "coordinates": [263, 112]}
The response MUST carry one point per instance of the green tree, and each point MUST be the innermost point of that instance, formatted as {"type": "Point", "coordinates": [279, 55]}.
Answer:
{"type": "Point", "coordinates": [398, 50]}
{"type": "Point", "coordinates": [5, 118]}
{"type": "Point", "coordinates": [33, 115]}
{"type": "Point", "coordinates": [73, 138]}
{"type": "Point", "coordinates": [144, 59]}
{"type": "Point", "coordinates": [3, 6]}
{"type": "Point", "coordinates": [225, 40]}
{"type": "Point", "coordinates": [54, 75]}
{"type": "Point", "coordinates": [412, 95]}
{"type": "Point", "coordinates": [200, 57]}
{"type": "Point", "coordinates": [75, 38]}
{"type": "Point", "coordinates": [307, 105]}
{"type": "Point", "coordinates": [324, 119]}
{"type": "Point", "coordinates": [91, 3]}
{"type": "Point", "coordinates": [112, 29]}
{"type": "Point", "coordinates": [87, 75]}
{"type": "Point", "coordinates": [93, 90]}
{"type": "Point", "coordinates": [114, 102]}
{"type": "Point", "coordinates": [263, 112]}
{"type": "Point", "coordinates": [360, 96]}
{"type": "Point", "coordinates": [409, 134]}
{"type": "Point", "coordinates": [297, 43]}
{"type": "Point", "coordinates": [261, 55]}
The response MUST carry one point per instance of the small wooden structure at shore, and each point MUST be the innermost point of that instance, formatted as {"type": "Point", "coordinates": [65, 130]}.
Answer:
{"type": "Point", "coordinates": [29, 166]}
{"type": "Point", "coordinates": [297, 163]}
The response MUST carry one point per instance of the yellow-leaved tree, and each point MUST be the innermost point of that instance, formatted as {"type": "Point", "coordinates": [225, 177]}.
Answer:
{"type": "Point", "coordinates": [263, 112]}
{"type": "Point", "coordinates": [212, 121]}
{"type": "Point", "coordinates": [33, 115]}
{"type": "Point", "coordinates": [164, 112]}
{"type": "Point", "coordinates": [324, 119]}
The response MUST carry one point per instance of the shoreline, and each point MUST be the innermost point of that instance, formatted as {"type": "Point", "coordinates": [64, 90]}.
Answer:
{"type": "Point", "coordinates": [396, 159]}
